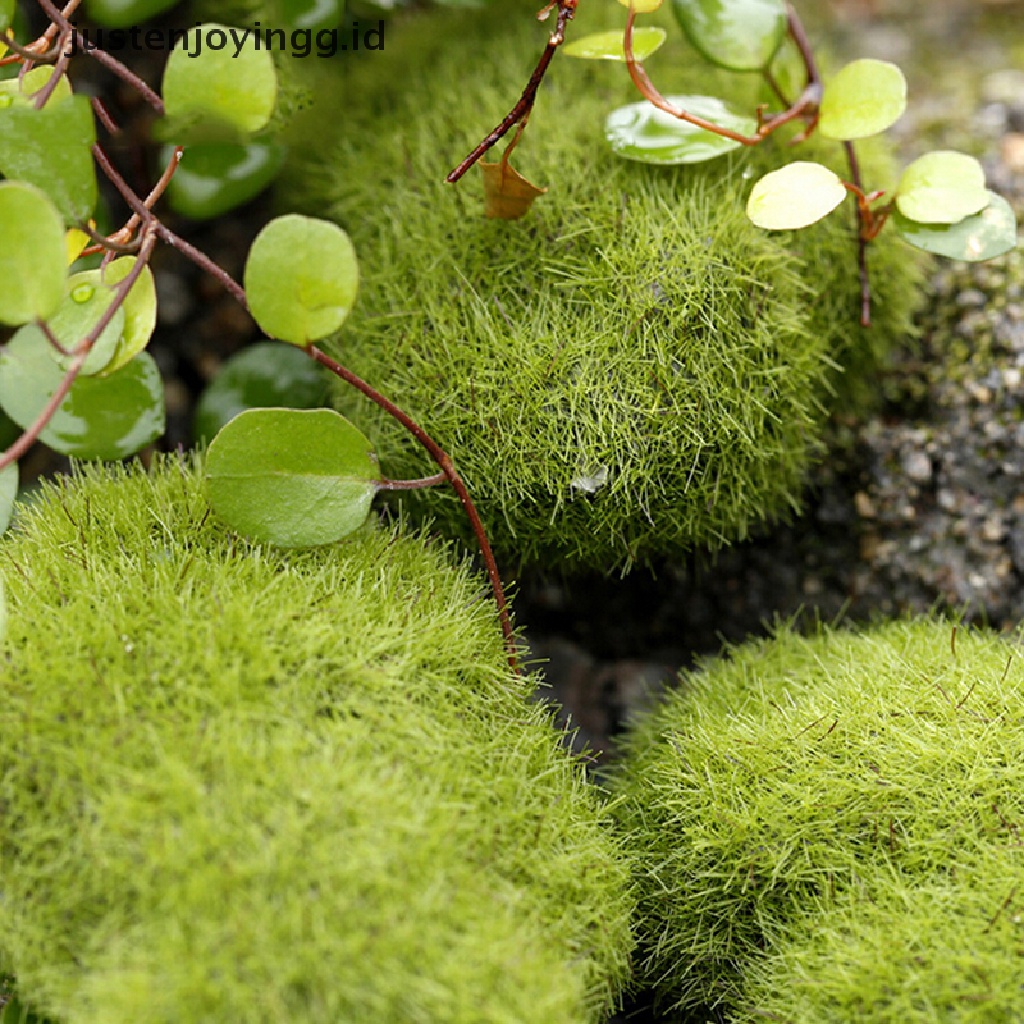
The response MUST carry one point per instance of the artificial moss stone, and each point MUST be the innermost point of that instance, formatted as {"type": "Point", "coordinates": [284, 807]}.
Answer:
{"type": "Point", "coordinates": [631, 370]}
{"type": "Point", "coordinates": [827, 829]}
{"type": "Point", "coordinates": [241, 785]}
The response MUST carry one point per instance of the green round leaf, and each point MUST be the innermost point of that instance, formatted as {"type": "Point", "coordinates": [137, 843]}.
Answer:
{"type": "Point", "coordinates": [794, 196]}
{"type": "Point", "coordinates": [942, 188]}
{"type": "Point", "coordinates": [86, 300]}
{"type": "Point", "coordinates": [293, 478]}
{"type": "Point", "coordinates": [33, 267]}
{"type": "Point", "coordinates": [139, 311]}
{"type": "Point", "coordinates": [738, 34]}
{"type": "Point", "coordinates": [865, 98]}
{"type": "Point", "coordinates": [35, 80]}
{"type": "Point", "coordinates": [52, 149]}
{"type": "Point", "coordinates": [640, 131]}
{"type": "Point", "coordinates": [108, 417]}
{"type": "Point", "coordinates": [219, 77]}
{"type": "Point", "coordinates": [266, 374]}
{"type": "Point", "coordinates": [608, 45]}
{"type": "Point", "coordinates": [123, 13]}
{"type": "Point", "coordinates": [8, 492]}
{"type": "Point", "coordinates": [215, 177]}
{"type": "Point", "coordinates": [979, 237]}
{"type": "Point", "coordinates": [301, 278]}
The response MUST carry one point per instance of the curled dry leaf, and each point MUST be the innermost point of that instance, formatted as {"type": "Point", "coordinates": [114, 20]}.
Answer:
{"type": "Point", "coordinates": [507, 194]}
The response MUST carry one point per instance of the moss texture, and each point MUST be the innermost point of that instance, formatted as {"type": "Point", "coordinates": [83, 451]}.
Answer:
{"type": "Point", "coordinates": [631, 370]}
{"type": "Point", "coordinates": [828, 829]}
{"type": "Point", "coordinates": [241, 786]}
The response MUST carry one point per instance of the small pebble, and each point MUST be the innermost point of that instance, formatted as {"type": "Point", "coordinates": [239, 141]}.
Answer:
{"type": "Point", "coordinates": [864, 505]}
{"type": "Point", "coordinates": [917, 466]}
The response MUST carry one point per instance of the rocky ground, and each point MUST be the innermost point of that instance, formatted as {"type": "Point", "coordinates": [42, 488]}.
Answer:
{"type": "Point", "coordinates": [919, 506]}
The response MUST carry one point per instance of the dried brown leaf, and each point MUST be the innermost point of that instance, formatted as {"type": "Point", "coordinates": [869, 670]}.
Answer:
{"type": "Point", "coordinates": [507, 194]}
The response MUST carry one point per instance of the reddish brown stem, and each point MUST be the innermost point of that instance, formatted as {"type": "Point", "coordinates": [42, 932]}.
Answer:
{"type": "Point", "coordinates": [438, 454]}
{"type": "Point", "coordinates": [59, 67]}
{"type": "Point", "coordinates": [805, 106]}
{"type": "Point", "coordinates": [31, 435]}
{"type": "Point", "coordinates": [78, 358]}
{"type": "Point", "coordinates": [110, 63]}
{"type": "Point", "coordinates": [862, 242]}
{"type": "Point", "coordinates": [200, 259]}
{"type": "Point", "coordinates": [103, 116]}
{"type": "Point", "coordinates": [566, 9]}
{"type": "Point", "coordinates": [145, 215]}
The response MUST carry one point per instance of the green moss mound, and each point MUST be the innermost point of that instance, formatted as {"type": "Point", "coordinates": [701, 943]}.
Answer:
{"type": "Point", "coordinates": [948, 951]}
{"type": "Point", "coordinates": [241, 785]}
{"type": "Point", "coordinates": [828, 829]}
{"type": "Point", "coordinates": [631, 370]}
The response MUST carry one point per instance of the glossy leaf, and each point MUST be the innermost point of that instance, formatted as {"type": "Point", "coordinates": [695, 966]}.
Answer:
{"type": "Point", "coordinates": [979, 237]}
{"type": "Point", "coordinates": [101, 418]}
{"type": "Point", "coordinates": [35, 80]}
{"type": "Point", "coordinates": [293, 478]}
{"type": "Point", "coordinates": [86, 301]}
{"type": "Point", "coordinates": [33, 269]}
{"type": "Point", "coordinates": [234, 86]}
{"type": "Point", "coordinates": [215, 177]}
{"type": "Point", "coordinates": [51, 148]}
{"type": "Point", "coordinates": [123, 13]}
{"type": "Point", "coordinates": [139, 310]}
{"type": "Point", "coordinates": [865, 98]}
{"type": "Point", "coordinates": [301, 278]}
{"type": "Point", "coordinates": [6, 14]}
{"type": "Point", "coordinates": [640, 131]}
{"type": "Point", "coordinates": [739, 34]}
{"type": "Point", "coordinates": [942, 188]}
{"type": "Point", "coordinates": [608, 45]}
{"type": "Point", "coordinates": [794, 196]}
{"type": "Point", "coordinates": [8, 492]}
{"type": "Point", "coordinates": [266, 374]}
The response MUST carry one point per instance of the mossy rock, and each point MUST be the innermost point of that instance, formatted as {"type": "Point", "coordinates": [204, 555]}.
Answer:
{"type": "Point", "coordinates": [631, 370]}
{"type": "Point", "coordinates": [828, 829]}
{"type": "Point", "coordinates": [243, 785]}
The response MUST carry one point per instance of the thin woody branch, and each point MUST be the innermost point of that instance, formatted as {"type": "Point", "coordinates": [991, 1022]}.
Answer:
{"type": "Point", "coordinates": [521, 111]}
{"type": "Point", "coordinates": [862, 242]}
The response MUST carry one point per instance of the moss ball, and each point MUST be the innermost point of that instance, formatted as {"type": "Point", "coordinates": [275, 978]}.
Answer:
{"type": "Point", "coordinates": [828, 829]}
{"type": "Point", "coordinates": [243, 785]}
{"type": "Point", "coordinates": [631, 370]}
{"type": "Point", "coordinates": [896, 950]}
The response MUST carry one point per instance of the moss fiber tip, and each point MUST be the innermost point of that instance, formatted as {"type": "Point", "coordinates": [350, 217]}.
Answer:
{"type": "Point", "coordinates": [243, 785]}
{"type": "Point", "coordinates": [827, 828]}
{"type": "Point", "coordinates": [631, 371]}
